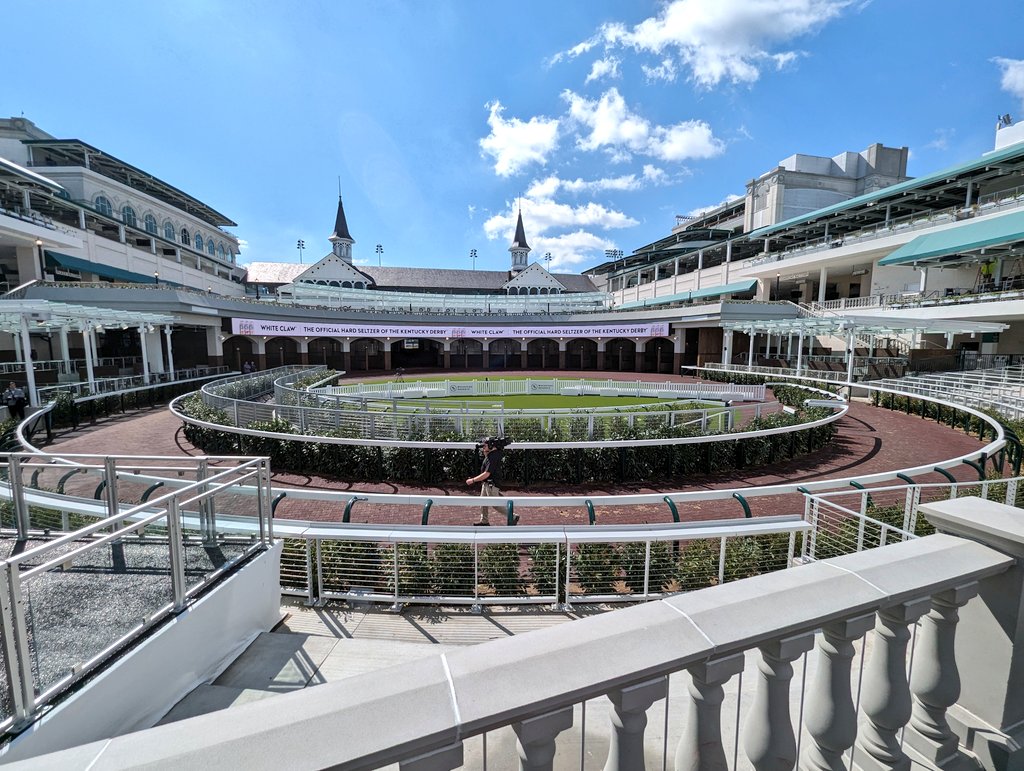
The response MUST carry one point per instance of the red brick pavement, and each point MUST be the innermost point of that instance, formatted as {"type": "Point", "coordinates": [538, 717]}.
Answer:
{"type": "Point", "coordinates": [869, 440]}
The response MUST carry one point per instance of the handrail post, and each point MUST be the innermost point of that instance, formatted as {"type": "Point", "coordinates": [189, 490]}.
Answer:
{"type": "Point", "coordinates": [21, 508]}
{"type": "Point", "coordinates": [590, 512]}
{"type": "Point", "coordinates": [177, 558]}
{"type": "Point", "coordinates": [347, 514]}
{"type": "Point", "coordinates": [425, 517]}
{"type": "Point", "coordinates": [672, 508]}
{"type": "Point", "coordinates": [743, 502]}
{"type": "Point", "coordinates": [977, 467]}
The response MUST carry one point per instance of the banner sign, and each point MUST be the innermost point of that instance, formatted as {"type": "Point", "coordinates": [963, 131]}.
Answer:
{"type": "Point", "coordinates": [267, 328]}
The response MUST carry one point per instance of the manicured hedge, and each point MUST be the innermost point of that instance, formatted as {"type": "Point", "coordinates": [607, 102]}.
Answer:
{"type": "Point", "coordinates": [663, 463]}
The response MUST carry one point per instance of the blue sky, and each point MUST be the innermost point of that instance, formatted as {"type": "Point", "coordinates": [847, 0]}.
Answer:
{"type": "Point", "coordinates": [608, 118]}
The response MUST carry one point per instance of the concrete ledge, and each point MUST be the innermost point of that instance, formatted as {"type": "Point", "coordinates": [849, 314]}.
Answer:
{"type": "Point", "coordinates": [995, 524]}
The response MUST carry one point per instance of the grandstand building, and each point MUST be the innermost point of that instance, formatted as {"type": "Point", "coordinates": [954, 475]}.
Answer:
{"type": "Point", "coordinates": [814, 238]}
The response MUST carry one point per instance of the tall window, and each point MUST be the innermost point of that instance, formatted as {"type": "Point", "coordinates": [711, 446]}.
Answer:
{"type": "Point", "coordinates": [199, 243]}
{"type": "Point", "coordinates": [185, 237]}
{"type": "Point", "coordinates": [220, 251]}
{"type": "Point", "coordinates": [128, 216]}
{"type": "Point", "coordinates": [103, 205]}
{"type": "Point", "coordinates": [149, 222]}
{"type": "Point", "coordinates": [210, 249]}
{"type": "Point", "coordinates": [169, 231]}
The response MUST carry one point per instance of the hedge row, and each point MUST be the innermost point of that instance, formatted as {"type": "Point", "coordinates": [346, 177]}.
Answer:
{"type": "Point", "coordinates": [657, 464]}
{"type": "Point", "coordinates": [508, 569]}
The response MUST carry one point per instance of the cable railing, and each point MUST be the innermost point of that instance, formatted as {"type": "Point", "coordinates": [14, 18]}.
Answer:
{"type": "Point", "coordinates": [109, 386]}
{"type": "Point", "coordinates": [137, 564]}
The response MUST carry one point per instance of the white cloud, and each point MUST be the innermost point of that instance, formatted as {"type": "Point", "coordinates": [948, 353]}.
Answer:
{"type": "Point", "coordinates": [549, 186]}
{"type": "Point", "coordinates": [620, 132]}
{"type": "Point", "coordinates": [569, 250]}
{"type": "Point", "coordinates": [1013, 76]}
{"type": "Point", "coordinates": [665, 71]}
{"type": "Point", "coordinates": [604, 68]}
{"type": "Point", "coordinates": [543, 215]}
{"type": "Point", "coordinates": [941, 140]}
{"type": "Point", "coordinates": [471, 210]}
{"type": "Point", "coordinates": [654, 175]}
{"type": "Point", "coordinates": [718, 40]}
{"type": "Point", "coordinates": [515, 144]}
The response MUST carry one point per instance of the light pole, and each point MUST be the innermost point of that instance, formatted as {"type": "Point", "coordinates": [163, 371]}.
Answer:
{"type": "Point", "coordinates": [472, 256]}
{"type": "Point", "coordinates": [156, 277]}
{"type": "Point", "coordinates": [778, 277]}
{"type": "Point", "coordinates": [380, 254]}
{"type": "Point", "coordinates": [300, 246]}
{"type": "Point", "coordinates": [547, 259]}
{"type": "Point", "coordinates": [42, 260]}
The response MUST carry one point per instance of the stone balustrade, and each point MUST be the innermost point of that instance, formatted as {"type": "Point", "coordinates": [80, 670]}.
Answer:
{"type": "Point", "coordinates": [420, 714]}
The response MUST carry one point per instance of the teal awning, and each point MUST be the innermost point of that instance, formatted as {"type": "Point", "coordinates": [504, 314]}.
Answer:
{"type": "Point", "coordinates": [697, 294]}
{"type": "Point", "coordinates": [964, 238]}
{"type": "Point", "coordinates": [103, 271]}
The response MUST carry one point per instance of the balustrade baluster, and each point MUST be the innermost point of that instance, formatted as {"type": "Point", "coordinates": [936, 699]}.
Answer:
{"type": "Point", "coordinates": [444, 759]}
{"type": "Point", "coordinates": [935, 679]}
{"type": "Point", "coordinates": [536, 738]}
{"type": "Point", "coordinates": [769, 741]}
{"type": "Point", "coordinates": [831, 715]}
{"type": "Point", "coordinates": [886, 700]}
{"type": "Point", "coordinates": [629, 719]}
{"type": "Point", "coordinates": [700, 747]}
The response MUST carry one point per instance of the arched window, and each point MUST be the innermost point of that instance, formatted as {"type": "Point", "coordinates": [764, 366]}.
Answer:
{"type": "Point", "coordinates": [210, 249]}
{"type": "Point", "coordinates": [185, 237]}
{"type": "Point", "coordinates": [103, 205]}
{"type": "Point", "coordinates": [149, 223]}
{"type": "Point", "coordinates": [220, 251]}
{"type": "Point", "coordinates": [128, 216]}
{"type": "Point", "coordinates": [169, 230]}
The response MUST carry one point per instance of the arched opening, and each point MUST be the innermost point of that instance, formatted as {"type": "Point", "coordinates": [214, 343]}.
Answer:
{"type": "Point", "coordinates": [504, 354]}
{"type": "Point", "coordinates": [658, 355]}
{"type": "Point", "coordinates": [581, 354]}
{"type": "Point", "coordinates": [239, 350]}
{"type": "Point", "coordinates": [326, 351]}
{"type": "Point", "coordinates": [620, 355]}
{"type": "Point", "coordinates": [367, 354]}
{"type": "Point", "coordinates": [542, 353]}
{"type": "Point", "coordinates": [467, 354]}
{"type": "Point", "coordinates": [282, 351]}
{"type": "Point", "coordinates": [416, 352]}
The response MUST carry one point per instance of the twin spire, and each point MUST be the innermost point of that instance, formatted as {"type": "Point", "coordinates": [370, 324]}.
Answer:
{"type": "Point", "coordinates": [342, 241]}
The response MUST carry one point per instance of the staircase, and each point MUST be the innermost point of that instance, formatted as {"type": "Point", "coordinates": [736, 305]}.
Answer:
{"type": "Point", "coordinates": [814, 310]}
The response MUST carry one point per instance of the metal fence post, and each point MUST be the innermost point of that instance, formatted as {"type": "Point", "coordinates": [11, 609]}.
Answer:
{"type": "Point", "coordinates": [721, 562]}
{"type": "Point", "coordinates": [21, 509]}
{"type": "Point", "coordinates": [177, 558]}
{"type": "Point", "coordinates": [21, 694]}
{"type": "Point", "coordinates": [647, 569]}
{"type": "Point", "coordinates": [110, 492]}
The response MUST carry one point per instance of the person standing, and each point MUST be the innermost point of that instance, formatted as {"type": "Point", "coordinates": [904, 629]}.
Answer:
{"type": "Point", "coordinates": [490, 477]}
{"type": "Point", "coordinates": [14, 398]}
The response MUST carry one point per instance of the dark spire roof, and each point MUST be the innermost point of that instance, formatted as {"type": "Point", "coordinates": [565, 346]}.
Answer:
{"type": "Point", "coordinates": [340, 225]}
{"type": "Point", "coordinates": [520, 237]}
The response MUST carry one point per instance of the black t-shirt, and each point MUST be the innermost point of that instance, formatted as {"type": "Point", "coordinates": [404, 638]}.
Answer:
{"type": "Point", "coordinates": [492, 463]}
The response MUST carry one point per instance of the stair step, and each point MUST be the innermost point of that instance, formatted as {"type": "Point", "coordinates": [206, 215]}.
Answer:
{"type": "Point", "coordinates": [211, 698]}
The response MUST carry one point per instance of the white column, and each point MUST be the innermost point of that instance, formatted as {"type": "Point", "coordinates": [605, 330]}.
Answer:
{"type": "Point", "coordinates": [700, 267]}
{"type": "Point", "coordinates": [789, 346]}
{"type": "Point", "coordinates": [145, 354]}
{"type": "Point", "coordinates": [849, 356]}
{"type": "Point", "coordinates": [935, 679]}
{"type": "Point", "coordinates": [831, 715]}
{"type": "Point", "coordinates": [770, 743]}
{"type": "Point", "coordinates": [886, 697]}
{"type": "Point", "coordinates": [65, 350]}
{"type": "Point", "coordinates": [87, 345]}
{"type": "Point", "coordinates": [728, 260]}
{"type": "Point", "coordinates": [536, 738]}
{"type": "Point", "coordinates": [26, 352]}
{"type": "Point", "coordinates": [750, 349]}
{"type": "Point", "coordinates": [822, 278]}
{"type": "Point", "coordinates": [629, 719]}
{"type": "Point", "coordinates": [170, 352]}
{"type": "Point", "coordinates": [924, 278]}
{"type": "Point", "coordinates": [727, 346]}
{"type": "Point", "coordinates": [95, 343]}
{"type": "Point", "coordinates": [700, 746]}
{"type": "Point", "coordinates": [800, 353]}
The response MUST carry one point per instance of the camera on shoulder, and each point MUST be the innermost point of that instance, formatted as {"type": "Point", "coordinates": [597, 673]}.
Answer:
{"type": "Point", "coordinates": [494, 442]}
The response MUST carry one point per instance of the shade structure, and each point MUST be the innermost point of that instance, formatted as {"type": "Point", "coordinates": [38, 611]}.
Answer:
{"type": "Point", "coordinates": [975, 238]}
{"type": "Point", "coordinates": [696, 294]}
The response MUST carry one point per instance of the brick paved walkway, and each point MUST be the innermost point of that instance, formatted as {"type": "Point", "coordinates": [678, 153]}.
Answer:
{"type": "Point", "coordinates": [869, 441]}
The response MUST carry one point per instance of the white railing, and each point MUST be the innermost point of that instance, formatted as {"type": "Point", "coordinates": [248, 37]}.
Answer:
{"type": "Point", "coordinates": [49, 638]}
{"type": "Point", "coordinates": [108, 386]}
{"type": "Point", "coordinates": [1000, 389]}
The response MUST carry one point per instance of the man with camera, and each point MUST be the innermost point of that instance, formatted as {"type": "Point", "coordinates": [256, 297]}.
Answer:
{"type": "Point", "coordinates": [490, 475]}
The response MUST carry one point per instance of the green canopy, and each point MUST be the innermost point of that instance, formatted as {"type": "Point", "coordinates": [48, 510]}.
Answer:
{"type": "Point", "coordinates": [994, 231]}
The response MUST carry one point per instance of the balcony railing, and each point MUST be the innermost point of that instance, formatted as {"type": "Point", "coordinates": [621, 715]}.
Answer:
{"type": "Point", "coordinates": [833, 642]}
